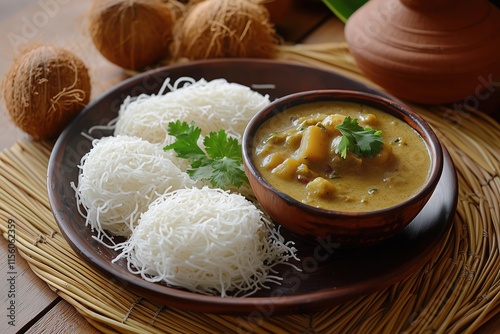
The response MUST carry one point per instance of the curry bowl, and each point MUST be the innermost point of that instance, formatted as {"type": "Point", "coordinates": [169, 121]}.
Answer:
{"type": "Point", "coordinates": [344, 166]}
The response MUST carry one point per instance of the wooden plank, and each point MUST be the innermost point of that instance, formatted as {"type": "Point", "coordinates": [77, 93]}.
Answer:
{"type": "Point", "coordinates": [23, 294]}
{"type": "Point", "coordinates": [50, 22]}
{"type": "Point", "coordinates": [62, 318]}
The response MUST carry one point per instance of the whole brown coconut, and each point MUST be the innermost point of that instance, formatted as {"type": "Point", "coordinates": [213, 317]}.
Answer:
{"type": "Point", "coordinates": [226, 28]}
{"type": "Point", "coordinates": [45, 88]}
{"type": "Point", "coordinates": [132, 34]}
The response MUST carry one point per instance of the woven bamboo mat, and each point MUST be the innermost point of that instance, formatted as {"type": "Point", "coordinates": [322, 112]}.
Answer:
{"type": "Point", "coordinates": [455, 292]}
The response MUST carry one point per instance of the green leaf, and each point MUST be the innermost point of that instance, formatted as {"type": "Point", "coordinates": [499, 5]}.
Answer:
{"type": "Point", "coordinates": [362, 142]}
{"type": "Point", "coordinates": [221, 163]}
{"type": "Point", "coordinates": [227, 172]}
{"type": "Point", "coordinates": [219, 145]}
{"type": "Point", "coordinates": [202, 172]}
{"type": "Point", "coordinates": [369, 142]}
{"type": "Point", "coordinates": [343, 9]}
{"type": "Point", "coordinates": [186, 144]}
{"type": "Point", "coordinates": [342, 147]}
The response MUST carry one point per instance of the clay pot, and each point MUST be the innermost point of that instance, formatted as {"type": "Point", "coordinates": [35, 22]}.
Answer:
{"type": "Point", "coordinates": [428, 51]}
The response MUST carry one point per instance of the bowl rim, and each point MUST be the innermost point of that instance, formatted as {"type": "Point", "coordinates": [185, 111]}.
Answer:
{"type": "Point", "coordinates": [397, 108]}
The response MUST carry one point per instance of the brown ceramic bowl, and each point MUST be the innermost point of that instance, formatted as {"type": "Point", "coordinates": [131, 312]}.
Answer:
{"type": "Point", "coordinates": [347, 229]}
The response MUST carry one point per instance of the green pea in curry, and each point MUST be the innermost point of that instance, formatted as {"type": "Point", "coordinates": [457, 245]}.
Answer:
{"type": "Point", "coordinates": [297, 152]}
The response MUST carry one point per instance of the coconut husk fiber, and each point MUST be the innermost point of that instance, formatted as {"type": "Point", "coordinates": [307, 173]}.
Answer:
{"type": "Point", "coordinates": [456, 291]}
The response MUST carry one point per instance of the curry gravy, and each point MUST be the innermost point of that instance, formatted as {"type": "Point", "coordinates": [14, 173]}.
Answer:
{"type": "Point", "coordinates": [295, 151]}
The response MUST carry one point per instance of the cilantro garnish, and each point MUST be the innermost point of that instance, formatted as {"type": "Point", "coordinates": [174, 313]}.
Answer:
{"type": "Point", "coordinates": [364, 142]}
{"type": "Point", "coordinates": [221, 163]}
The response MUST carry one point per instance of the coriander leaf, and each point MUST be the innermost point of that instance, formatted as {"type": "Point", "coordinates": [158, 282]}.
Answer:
{"type": "Point", "coordinates": [227, 160]}
{"type": "Point", "coordinates": [227, 171]}
{"type": "Point", "coordinates": [219, 145]}
{"type": "Point", "coordinates": [221, 164]}
{"type": "Point", "coordinates": [342, 147]}
{"type": "Point", "coordinates": [369, 142]}
{"type": "Point", "coordinates": [186, 144]}
{"type": "Point", "coordinates": [362, 142]}
{"type": "Point", "coordinates": [203, 172]}
{"type": "Point", "coordinates": [221, 173]}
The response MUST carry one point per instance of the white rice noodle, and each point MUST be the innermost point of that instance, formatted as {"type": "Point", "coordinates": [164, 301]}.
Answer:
{"type": "Point", "coordinates": [119, 177]}
{"type": "Point", "coordinates": [207, 241]}
{"type": "Point", "coordinates": [212, 105]}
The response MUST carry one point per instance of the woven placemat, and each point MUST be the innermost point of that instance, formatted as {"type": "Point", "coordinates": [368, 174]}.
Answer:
{"type": "Point", "coordinates": [456, 291]}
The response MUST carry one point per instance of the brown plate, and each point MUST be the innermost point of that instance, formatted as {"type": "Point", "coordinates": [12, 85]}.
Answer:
{"type": "Point", "coordinates": [328, 275]}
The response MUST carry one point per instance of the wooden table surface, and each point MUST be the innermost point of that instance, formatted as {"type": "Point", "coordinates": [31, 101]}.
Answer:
{"type": "Point", "coordinates": [62, 23]}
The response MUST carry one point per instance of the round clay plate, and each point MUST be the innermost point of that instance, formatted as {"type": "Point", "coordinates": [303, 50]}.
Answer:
{"type": "Point", "coordinates": [328, 276]}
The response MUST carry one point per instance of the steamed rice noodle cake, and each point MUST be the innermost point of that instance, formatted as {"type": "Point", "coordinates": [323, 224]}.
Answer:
{"type": "Point", "coordinates": [212, 105]}
{"type": "Point", "coordinates": [119, 177]}
{"type": "Point", "coordinates": [207, 241]}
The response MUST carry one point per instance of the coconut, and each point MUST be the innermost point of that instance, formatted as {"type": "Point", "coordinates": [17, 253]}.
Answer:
{"type": "Point", "coordinates": [133, 34]}
{"type": "Point", "coordinates": [45, 88]}
{"type": "Point", "coordinates": [226, 28]}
